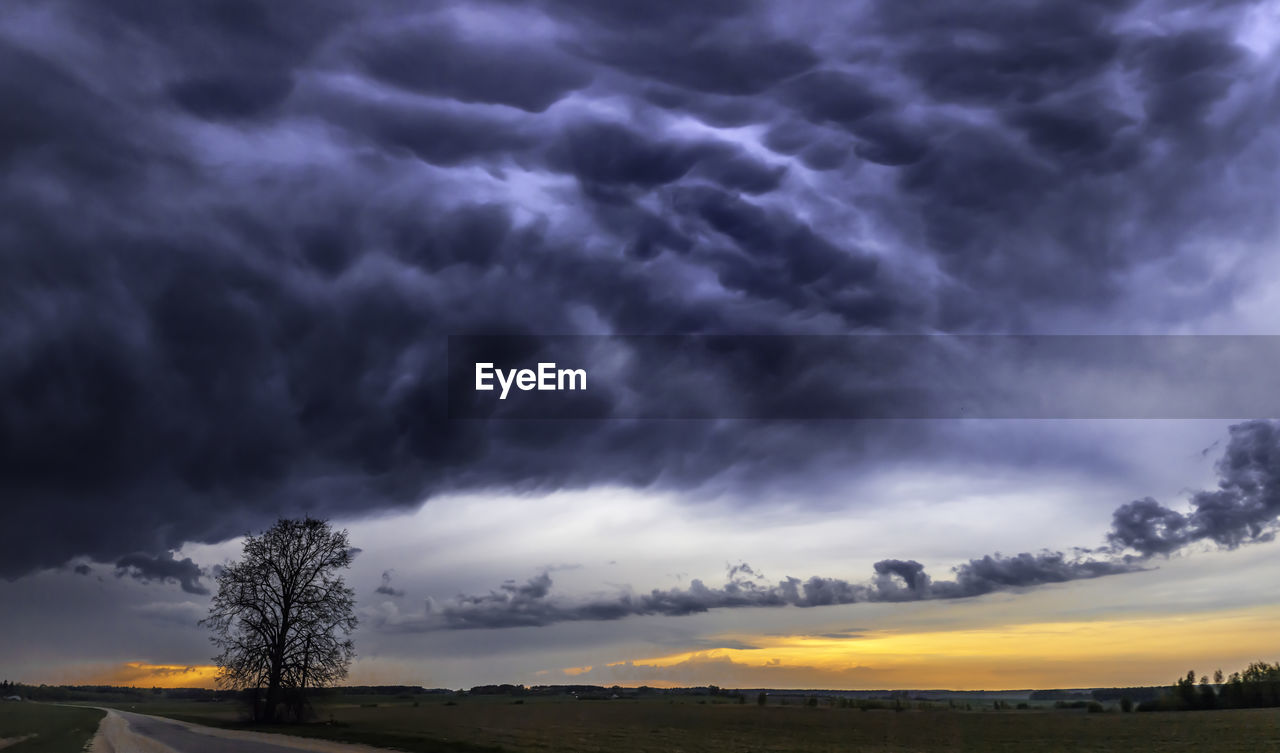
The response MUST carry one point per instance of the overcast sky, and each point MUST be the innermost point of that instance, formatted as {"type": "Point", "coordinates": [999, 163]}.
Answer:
{"type": "Point", "coordinates": [237, 235]}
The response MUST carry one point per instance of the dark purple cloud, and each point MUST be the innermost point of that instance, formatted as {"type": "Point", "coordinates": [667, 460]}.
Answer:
{"type": "Point", "coordinates": [236, 234]}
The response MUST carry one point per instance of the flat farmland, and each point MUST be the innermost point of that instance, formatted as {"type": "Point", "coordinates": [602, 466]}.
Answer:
{"type": "Point", "coordinates": [625, 726]}
{"type": "Point", "coordinates": [45, 728]}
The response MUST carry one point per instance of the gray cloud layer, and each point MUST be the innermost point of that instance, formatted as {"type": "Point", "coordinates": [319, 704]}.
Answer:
{"type": "Point", "coordinates": [236, 233]}
{"type": "Point", "coordinates": [1244, 509]}
{"type": "Point", "coordinates": [531, 603]}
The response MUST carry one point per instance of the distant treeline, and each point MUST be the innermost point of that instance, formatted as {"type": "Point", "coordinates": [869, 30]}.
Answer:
{"type": "Point", "coordinates": [594, 690]}
{"type": "Point", "coordinates": [107, 693]}
{"type": "Point", "coordinates": [120, 694]}
{"type": "Point", "coordinates": [1138, 694]}
{"type": "Point", "coordinates": [1258, 686]}
{"type": "Point", "coordinates": [387, 690]}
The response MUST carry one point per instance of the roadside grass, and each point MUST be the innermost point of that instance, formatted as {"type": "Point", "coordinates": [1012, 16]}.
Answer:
{"type": "Point", "coordinates": [439, 724]}
{"type": "Point", "coordinates": [56, 729]}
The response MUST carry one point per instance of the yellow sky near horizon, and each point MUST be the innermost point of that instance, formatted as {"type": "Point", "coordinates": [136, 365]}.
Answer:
{"type": "Point", "coordinates": [1117, 651]}
{"type": "Point", "coordinates": [1148, 650]}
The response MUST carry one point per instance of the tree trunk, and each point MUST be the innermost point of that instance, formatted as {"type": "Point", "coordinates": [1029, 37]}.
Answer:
{"type": "Point", "coordinates": [273, 693]}
{"type": "Point", "coordinates": [269, 705]}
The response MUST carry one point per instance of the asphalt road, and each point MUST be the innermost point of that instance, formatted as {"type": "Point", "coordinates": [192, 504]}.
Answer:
{"type": "Point", "coordinates": [182, 739]}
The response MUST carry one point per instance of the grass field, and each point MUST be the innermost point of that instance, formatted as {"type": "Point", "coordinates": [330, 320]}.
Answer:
{"type": "Point", "coordinates": [628, 726]}
{"type": "Point", "coordinates": [56, 729]}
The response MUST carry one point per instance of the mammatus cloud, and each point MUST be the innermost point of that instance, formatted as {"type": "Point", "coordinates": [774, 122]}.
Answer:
{"type": "Point", "coordinates": [163, 567]}
{"type": "Point", "coordinates": [1243, 509]}
{"type": "Point", "coordinates": [231, 258]}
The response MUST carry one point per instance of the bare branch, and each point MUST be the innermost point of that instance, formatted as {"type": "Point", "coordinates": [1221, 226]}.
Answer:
{"type": "Point", "coordinates": [282, 615]}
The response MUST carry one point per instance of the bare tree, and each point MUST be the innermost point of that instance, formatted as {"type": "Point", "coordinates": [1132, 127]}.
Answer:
{"type": "Point", "coordinates": [283, 615]}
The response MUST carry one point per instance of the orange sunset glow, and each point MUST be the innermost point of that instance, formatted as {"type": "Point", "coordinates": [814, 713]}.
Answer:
{"type": "Point", "coordinates": [1111, 652]}
{"type": "Point", "coordinates": [143, 674]}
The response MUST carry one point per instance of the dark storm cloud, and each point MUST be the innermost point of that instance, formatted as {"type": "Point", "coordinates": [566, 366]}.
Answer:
{"type": "Point", "coordinates": [783, 257]}
{"type": "Point", "coordinates": [439, 60]}
{"type": "Point", "coordinates": [1186, 73]}
{"type": "Point", "coordinates": [437, 133]}
{"type": "Point", "coordinates": [722, 63]}
{"type": "Point", "coordinates": [813, 146]}
{"type": "Point", "coordinates": [236, 234]}
{"type": "Point", "coordinates": [164, 567]}
{"type": "Point", "coordinates": [223, 61]}
{"type": "Point", "coordinates": [230, 97]}
{"type": "Point", "coordinates": [52, 126]}
{"type": "Point", "coordinates": [720, 111]}
{"type": "Point", "coordinates": [1005, 51]}
{"type": "Point", "coordinates": [734, 170]}
{"type": "Point", "coordinates": [832, 97]}
{"type": "Point", "coordinates": [1039, 208]}
{"type": "Point", "coordinates": [611, 153]}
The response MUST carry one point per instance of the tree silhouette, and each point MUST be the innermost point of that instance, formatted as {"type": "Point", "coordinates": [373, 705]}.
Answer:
{"type": "Point", "coordinates": [1256, 687]}
{"type": "Point", "coordinates": [1186, 690]}
{"type": "Point", "coordinates": [282, 616]}
{"type": "Point", "coordinates": [1208, 699]}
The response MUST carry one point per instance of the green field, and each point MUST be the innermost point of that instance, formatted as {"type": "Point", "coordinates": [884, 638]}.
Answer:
{"type": "Point", "coordinates": [663, 725]}
{"type": "Point", "coordinates": [56, 729]}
